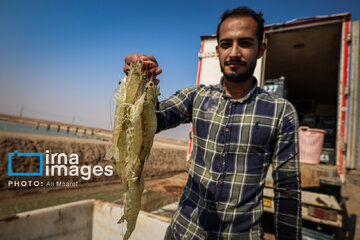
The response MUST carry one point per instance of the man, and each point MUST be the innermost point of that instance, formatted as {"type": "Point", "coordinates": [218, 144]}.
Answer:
{"type": "Point", "coordinates": [239, 130]}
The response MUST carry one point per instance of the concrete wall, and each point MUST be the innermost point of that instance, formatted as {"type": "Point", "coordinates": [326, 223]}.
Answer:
{"type": "Point", "coordinates": [83, 220]}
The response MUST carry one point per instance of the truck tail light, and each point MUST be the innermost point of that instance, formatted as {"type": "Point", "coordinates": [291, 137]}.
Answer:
{"type": "Point", "coordinates": [322, 213]}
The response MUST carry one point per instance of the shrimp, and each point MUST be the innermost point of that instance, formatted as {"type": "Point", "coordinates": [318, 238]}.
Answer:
{"type": "Point", "coordinates": [149, 121]}
{"type": "Point", "coordinates": [125, 98]}
{"type": "Point", "coordinates": [134, 129]}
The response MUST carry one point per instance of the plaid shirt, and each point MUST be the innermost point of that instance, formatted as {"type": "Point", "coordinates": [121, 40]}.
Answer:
{"type": "Point", "coordinates": [234, 143]}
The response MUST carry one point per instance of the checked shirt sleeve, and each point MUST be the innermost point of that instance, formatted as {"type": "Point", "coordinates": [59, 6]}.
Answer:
{"type": "Point", "coordinates": [286, 175]}
{"type": "Point", "coordinates": [176, 109]}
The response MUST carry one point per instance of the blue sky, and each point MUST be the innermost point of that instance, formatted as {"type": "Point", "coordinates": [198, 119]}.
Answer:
{"type": "Point", "coordinates": [62, 60]}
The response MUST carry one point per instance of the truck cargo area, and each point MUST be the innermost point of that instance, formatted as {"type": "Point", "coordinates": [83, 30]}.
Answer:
{"type": "Point", "coordinates": [309, 59]}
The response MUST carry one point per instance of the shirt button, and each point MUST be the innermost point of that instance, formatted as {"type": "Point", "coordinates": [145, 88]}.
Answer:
{"type": "Point", "coordinates": [223, 154]}
{"type": "Point", "coordinates": [227, 129]}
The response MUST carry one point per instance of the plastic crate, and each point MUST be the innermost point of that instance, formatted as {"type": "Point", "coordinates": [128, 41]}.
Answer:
{"type": "Point", "coordinates": [311, 142]}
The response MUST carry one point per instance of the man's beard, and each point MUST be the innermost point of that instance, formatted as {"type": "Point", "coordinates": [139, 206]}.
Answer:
{"type": "Point", "coordinates": [239, 77]}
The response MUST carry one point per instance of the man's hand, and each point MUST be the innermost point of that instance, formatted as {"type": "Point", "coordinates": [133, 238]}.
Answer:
{"type": "Point", "coordinates": [150, 65]}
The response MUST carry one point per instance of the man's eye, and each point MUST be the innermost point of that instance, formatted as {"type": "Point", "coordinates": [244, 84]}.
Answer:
{"type": "Point", "coordinates": [225, 45]}
{"type": "Point", "coordinates": [245, 44]}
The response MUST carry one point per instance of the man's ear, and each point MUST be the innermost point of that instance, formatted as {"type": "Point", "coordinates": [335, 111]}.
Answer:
{"type": "Point", "coordinates": [262, 49]}
{"type": "Point", "coordinates": [217, 50]}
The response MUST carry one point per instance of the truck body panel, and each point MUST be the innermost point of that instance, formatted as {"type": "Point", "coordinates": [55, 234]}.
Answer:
{"type": "Point", "coordinates": [354, 145]}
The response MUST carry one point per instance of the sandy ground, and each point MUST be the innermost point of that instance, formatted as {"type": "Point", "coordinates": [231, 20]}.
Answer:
{"type": "Point", "coordinates": [173, 185]}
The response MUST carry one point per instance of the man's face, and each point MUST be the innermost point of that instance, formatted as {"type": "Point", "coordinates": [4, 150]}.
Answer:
{"type": "Point", "coordinates": [238, 48]}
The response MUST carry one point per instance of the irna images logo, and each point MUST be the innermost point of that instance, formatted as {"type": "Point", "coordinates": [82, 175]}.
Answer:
{"type": "Point", "coordinates": [56, 164]}
{"type": "Point", "coordinates": [15, 154]}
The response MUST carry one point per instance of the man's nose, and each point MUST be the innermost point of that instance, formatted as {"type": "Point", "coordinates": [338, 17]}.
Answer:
{"type": "Point", "coordinates": [235, 51]}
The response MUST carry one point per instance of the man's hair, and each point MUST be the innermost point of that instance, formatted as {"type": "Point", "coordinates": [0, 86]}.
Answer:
{"type": "Point", "coordinates": [244, 12]}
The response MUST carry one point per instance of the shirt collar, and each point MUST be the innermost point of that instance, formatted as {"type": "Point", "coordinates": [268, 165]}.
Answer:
{"type": "Point", "coordinates": [250, 93]}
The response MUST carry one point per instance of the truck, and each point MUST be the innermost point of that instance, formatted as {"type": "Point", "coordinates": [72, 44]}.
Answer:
{"type": "Point", "coordinates": [314, 63]}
